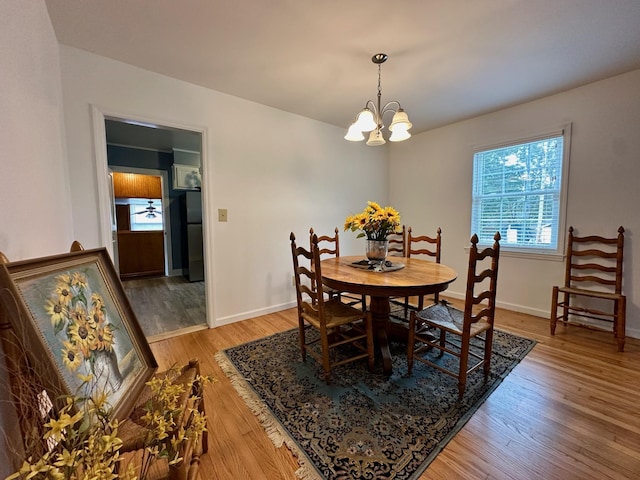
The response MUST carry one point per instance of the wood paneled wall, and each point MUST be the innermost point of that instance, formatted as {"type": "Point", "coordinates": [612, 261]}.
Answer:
{"type": "Point", "coordinates": [131, 185]}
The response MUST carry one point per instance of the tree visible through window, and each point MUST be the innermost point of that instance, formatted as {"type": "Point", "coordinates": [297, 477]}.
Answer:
{"type": "Point", "coordinates": [518, 191]}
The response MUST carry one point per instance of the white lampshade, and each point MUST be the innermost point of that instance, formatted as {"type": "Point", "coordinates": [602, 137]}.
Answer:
{"type": "Point", "coordinates": [400, 121]}
{"type": "Point", "coordinates": [376, 138]}
{"type": "Point", "coordinates": [398, 135]}
{"type": "Point", "coordinates": [354, 134]}
{"type": "Point", "coordinates": [365, 121]}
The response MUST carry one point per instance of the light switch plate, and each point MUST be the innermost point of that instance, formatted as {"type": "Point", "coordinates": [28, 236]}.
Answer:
{"type": "Point", "coordinates": [222, 214]}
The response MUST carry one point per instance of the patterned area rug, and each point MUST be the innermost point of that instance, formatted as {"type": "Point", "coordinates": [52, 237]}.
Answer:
{"type": "Point", "coordinates": [364, 425]}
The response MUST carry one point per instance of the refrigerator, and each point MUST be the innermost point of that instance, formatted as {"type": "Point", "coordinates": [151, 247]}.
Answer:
{"type": "Point", "coordinates": [195, 250]}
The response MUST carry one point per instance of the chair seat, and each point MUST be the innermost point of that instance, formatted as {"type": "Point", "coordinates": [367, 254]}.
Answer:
{"type": "Point", "coordinates": [590, 293]}
{"type": "Point", "coordinates": [450, 319]}
{"type": "Point", "coordinates": [336, 313]}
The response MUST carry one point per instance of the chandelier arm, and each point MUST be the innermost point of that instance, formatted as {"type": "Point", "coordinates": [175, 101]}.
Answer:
{"type": "Point", "coordinates": [388, 107]}
{"type": "Point", "coordinates": [371, 105]}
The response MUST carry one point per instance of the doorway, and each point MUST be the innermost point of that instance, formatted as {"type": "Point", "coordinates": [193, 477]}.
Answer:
{"type": "Point", "coordinates": [157, 144]}
{"type": "Point", "coordinates": [142, 242]}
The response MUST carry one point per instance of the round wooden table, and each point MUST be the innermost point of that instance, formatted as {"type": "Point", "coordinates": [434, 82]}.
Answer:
{"type": "Point", "coordinates": [418, 277]}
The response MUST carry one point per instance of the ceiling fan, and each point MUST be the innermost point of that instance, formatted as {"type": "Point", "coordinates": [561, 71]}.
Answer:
{"type": "Point", "coordinates": [150, 211]}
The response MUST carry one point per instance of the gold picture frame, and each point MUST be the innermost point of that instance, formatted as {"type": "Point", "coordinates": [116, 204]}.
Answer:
{"type": "Point", "coordinates": [72, 317]}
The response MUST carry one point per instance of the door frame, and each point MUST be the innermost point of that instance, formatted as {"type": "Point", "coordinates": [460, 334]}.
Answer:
{"type": "Point", "coordinates": [98, 117]}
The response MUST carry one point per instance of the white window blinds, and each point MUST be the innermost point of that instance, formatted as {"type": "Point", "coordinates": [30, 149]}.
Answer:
{"type": "Point", "coordinates": [518, 191]}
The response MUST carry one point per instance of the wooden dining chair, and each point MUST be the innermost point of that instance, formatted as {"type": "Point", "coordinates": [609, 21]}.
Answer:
{"type": "Point", "coordinates": [477, 318]}
{"type": "Point", "coordinates": [330, 247]}
{"type": "Point", "coordinates": [592, 291]}
{"type": "Point", "coordinates": [422, 245]}
{"type": "Point", "coordinates": [337, 324]}
{"type": "Point", "coordinates": [397, 243]}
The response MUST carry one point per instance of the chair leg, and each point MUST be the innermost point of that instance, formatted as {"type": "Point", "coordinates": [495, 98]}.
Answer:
{"type": "Point", "coordinates": [565, 309]}
{"type": "Point", "coordinates": [620, 322]}
{"type": "Point", "coordinates": [464, 362]}
{"type": "Point", "coordinates": [411, 338]}
{"type": "Point", "coordinates": [302, 339]}
{"type": "Point", "coordinates": [326, 365]}
{"type": "Point", "coordinates": [370, 345]}
{"type": "Point", "coordinates": [488, 348]}
{"type": "Point", "coordinates": [443, 341]}
{"type": "Point", "coordinates": [554, 311]}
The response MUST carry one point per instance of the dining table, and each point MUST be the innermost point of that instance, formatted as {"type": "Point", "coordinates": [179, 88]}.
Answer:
{"type": "Point", "coordinates": [396, 277]}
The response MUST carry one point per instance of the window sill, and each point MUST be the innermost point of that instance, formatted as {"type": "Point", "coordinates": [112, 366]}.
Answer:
{"type": "Point", "coordinates": [504, 252]}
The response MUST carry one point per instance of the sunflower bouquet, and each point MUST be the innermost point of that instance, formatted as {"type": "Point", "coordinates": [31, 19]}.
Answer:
{"type": "Point", "coordinates": [374, 222]}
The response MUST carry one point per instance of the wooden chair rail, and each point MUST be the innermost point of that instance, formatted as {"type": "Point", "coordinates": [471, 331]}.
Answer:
{"type": "Point", "coordinates": [589, 312]}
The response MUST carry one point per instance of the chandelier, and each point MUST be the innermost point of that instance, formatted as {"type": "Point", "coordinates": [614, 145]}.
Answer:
{"type": "Point", "coordinates": [370, 118]}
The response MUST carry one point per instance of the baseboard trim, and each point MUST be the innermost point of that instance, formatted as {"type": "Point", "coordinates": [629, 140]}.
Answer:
{"type": "Point", "coordinates": [536, 312]}
{"type": "Point", "coordinates": [252, 313]}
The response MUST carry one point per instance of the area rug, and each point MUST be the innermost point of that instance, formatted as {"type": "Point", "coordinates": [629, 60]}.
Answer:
{"type": "Point", "coordinates": [363, 425]}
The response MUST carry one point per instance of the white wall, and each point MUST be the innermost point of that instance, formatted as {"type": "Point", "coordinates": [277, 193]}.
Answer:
{"type": "Point", "coordinates": [273, 171]}
{"type": "Point", "coordinates": [35, 208]}
{"type": "Point", "coordinates": [431, 184]}
{"type": "Point", "coordinates": [35, 218]}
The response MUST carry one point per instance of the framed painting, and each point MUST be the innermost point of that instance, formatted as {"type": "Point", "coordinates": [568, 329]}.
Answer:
{"type": "Point", "coordinates": [72, 317]}
{"type": "Point", "coordinates": [186, 177]}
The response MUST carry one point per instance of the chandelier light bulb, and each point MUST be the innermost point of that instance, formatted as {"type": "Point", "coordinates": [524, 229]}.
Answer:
{"type": "Point", "coordinates": [400, 121]}
{"type": "Point", "coordinates": [376, 138]}
{"type": "Point", "coordinates": [365, 121]}
{"type": "Point", "coordinates": [354, 134]}
{"type": "Point", "coordinates": [399, 135]}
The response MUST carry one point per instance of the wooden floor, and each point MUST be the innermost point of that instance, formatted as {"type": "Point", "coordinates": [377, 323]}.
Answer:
{"type": "Point", "coordinates": [166, 306]}
{"type": "Point", "coordinates": [569, 410]}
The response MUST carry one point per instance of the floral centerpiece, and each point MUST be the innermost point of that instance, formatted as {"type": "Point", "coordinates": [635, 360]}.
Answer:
{"type": "Point", "coordinates": [376, 223]}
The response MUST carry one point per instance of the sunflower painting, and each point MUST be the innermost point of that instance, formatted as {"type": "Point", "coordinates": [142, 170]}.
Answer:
{"type": "Point", "coordinates": [81, 316]}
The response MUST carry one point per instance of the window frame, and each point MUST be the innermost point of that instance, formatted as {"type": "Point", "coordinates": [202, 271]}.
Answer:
{"type": "Point", "coordinates": [523, 251]}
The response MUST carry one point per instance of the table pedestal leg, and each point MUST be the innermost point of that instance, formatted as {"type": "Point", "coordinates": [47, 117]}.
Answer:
{"type": "Point", "coordinates": [380, 315]}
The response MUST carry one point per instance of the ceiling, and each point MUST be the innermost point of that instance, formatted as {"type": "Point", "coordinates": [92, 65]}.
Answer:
{"type": "Point", "coordinates": [448, 59]}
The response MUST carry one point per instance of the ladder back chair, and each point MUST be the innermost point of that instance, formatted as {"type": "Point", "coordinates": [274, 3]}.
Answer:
{"type": "Point", "coordinates": [397, 243]}
{"type": "Point", "coordinates": [477, 318]}
{"type": "Point", "coordinates": [592, 289]}
{"type": "Point", "coordinates": [330, 246]}
{"type": "Point", "coordinates": [423, 245]}
{"type": "Point", "coordinates": [337, 323]}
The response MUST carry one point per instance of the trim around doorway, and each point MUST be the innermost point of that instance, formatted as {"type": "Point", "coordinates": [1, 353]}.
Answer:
{"type": "Point", "coordinates": [98, 117]}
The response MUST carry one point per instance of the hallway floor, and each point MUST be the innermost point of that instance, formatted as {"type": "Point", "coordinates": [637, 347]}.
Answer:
{"type": "Point", "coordinates": [167, 306]}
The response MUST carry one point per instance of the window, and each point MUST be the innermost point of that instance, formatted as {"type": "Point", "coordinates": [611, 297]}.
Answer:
{"type": "Point", "coordinates": [145, 217]}
{"type": "Point", "coordinates": [519, 190]}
